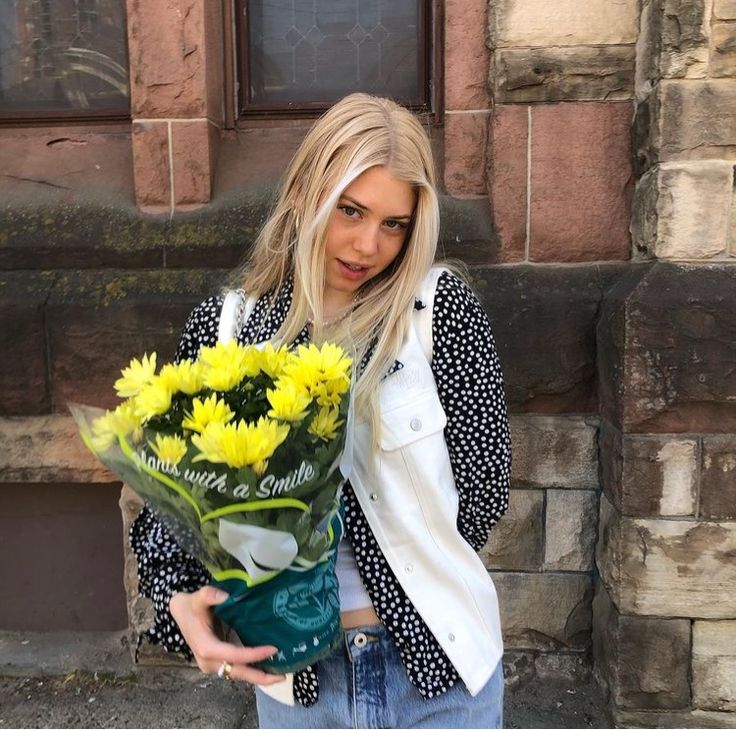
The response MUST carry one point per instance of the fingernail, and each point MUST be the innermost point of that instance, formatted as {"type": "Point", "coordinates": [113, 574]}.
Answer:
{"type": "Point", "coordinates": [220, 595]}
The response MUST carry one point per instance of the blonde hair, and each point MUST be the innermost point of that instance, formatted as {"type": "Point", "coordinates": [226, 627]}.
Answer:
{"type": "Point", "coordinates": [357, 133]}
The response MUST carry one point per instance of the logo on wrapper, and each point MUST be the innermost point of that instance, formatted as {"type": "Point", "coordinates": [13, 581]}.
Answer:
{"type": "Point", "coordinates": [308, 605]}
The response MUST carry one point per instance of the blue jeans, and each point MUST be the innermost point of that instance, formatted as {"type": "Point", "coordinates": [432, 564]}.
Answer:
{"type": "Point", "coordinates": [364, 685]}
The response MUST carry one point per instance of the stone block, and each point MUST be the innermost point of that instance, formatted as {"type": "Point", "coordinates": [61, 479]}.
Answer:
{"type": "Point", "coordinates": [508, 178]}
{"type": "Point", "coordinates": [667, 568]}
{"type": "Point", "coordinates": [644, 661]}
{"type": "Point", "coordinates": [97, 321]}
{"type": "Point", "coordinates": [648, 476]}
{"type": "Point", "coordinates": [695, 719]}
{"type": "Point", "coordinates": [723, 50]}
{"type": "Point", "coordinates": [563, 23]}
{"type": "Point", "coordinates": [545, 611]}
{"type": "Point", "coordinates": [517, 541]}
{"type": "Point", "coordinates": [718, 478]}
{"type": "Point", "coordinates": [557, 305]}
{"type": "Point", "coordinates": [563, 73]}
{"type": "Point", "coordinates": [679, 332]}
{"type": "Point", "coordinates": [696, 120]}
{"type": "Point", "coordinates": [570, 529]}
{"type": "Point", "coordinates": [24, 386]}
{"type": "Point", "coordinates": [685, 29]}
{"type": "Point", "coordinates": [166, 47]}
{"type": "Point", "coordinates": [580, 182]}
{"type": "Point", "coordinates": [554, 452]}
{"type": "Point", "coordinates": [466, 54]}
{"type": "Point", "coordinates": [151, 165]}
{"type": "Point", "coordinates": [714, 665]}
{"type": "Point", "coordinates": [47, 449]}
{"type": "Point", "coordinates": [466, 135]}
{"type": "Point", "coordinates": [193, 157]}
{"type": "Point", "coordinates": [725, 9]}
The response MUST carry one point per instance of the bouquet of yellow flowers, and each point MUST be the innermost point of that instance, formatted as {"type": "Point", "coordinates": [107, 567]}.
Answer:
{"type": "Point", "coordinates": [238, 453]}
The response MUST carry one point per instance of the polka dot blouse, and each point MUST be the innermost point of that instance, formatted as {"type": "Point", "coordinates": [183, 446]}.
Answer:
{"type": "Point", "coordinates": [471, 389]}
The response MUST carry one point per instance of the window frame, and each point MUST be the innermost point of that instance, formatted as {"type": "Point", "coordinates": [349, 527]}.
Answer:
{"type": "Point", "coordinates": [431, 71]}
{"type": "Point", "coordinates": [70, 116]}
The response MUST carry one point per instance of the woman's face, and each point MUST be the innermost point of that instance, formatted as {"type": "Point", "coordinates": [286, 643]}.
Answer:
{"type": "Point", "coordinates": [365, 234]}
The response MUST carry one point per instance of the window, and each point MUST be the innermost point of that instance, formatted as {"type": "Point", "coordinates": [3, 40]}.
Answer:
{"type": "Point", "coordinates": [301, 55]}
{"type": "Point", "coordinates": [62, 59]}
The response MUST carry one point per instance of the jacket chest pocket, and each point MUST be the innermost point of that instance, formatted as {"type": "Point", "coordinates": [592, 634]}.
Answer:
{"type": "Point", "coordinates": [410, 422]}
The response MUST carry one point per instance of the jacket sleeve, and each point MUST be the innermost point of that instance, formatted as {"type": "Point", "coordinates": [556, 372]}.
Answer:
{"type": "Point", "coordinates": [164, 568]}
{"type": "Point", "coordinates": [470, 384]}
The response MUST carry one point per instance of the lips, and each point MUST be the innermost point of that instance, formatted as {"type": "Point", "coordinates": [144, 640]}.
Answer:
{"type": "Point", "coordinates": [352, 271]}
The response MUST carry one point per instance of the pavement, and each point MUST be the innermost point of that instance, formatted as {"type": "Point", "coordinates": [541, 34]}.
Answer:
{"type": "Point", "coordinates": [87, 679]}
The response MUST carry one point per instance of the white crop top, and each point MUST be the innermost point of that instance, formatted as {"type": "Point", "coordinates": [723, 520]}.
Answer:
{"type": "Point", "coordinates": [353, 594]}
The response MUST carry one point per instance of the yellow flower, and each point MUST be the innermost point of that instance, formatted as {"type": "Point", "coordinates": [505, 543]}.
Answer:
{"type": "Point", "coordinates": [153, 400]}
{"type": "Point", "coordinates": [272, 361]}
{"type": "Point", "coordinates": [138, 374]}
{"type": "Point", "coordinates": [225, 365]}
{"type": "Point", "coordinates": [289, 402]}
{"type": "Point", "coordinates": [204, 412]}
{"type": "Point", "coordinates": [170, 449]}
{"type": "Point", "coordinates": [120, 422]}
{"type": "Point", "coordinates": [325, 424]}
{"type": "Point", "coordinates": [126, 420]}
{"type": "Point", "coordinates": [104, 433]}
{"type": "Point", "coordinates": [313, 366]}
{"type": "Point", "coordinates": [185, 376]}
{"type": "Point", "coordinates": [330, 392]}
{"type": "Point", "coordinates": [241, 444]}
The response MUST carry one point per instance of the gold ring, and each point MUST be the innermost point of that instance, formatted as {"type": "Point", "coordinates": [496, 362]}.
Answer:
{"type": "Point", "coordinates": [224, 671]}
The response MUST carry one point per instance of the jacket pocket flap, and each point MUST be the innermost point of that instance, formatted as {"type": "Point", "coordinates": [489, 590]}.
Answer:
{"type": "Point", "coordinates": [407, 423]}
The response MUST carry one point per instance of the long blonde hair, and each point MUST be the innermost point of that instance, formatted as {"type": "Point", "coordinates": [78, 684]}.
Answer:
{"type": "Point", "coordinates": [357, 133]}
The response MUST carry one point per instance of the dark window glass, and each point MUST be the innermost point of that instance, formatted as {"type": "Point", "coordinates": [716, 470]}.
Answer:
{"type": "Point", "coordinates": [303, 53]}
{"type": "Point", "coordinates": [63, 58]}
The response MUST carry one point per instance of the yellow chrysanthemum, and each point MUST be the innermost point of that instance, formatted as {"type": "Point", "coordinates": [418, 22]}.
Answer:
{"type": "Point", "coordinates": [289, 401]}
{"type": "Point", "coordinates": [225, 365]}
{"type": "Point", "coordinates": [120, 422]}
{"type": "Point", "coordinates": [330, 392]}
{"type": "Point", "coordinates": [137, 375]}
{"type": "Point", "coordinates": [153, 400]}
{"type": "Point", "coordinates": [325, 424]}
{"type": "Point", "coordinates": [104, 432]}
{"type": "Point", "coordinates": [185, 377]}
{"type": "Point", "coordinates": [312, 366]}
{"type": "Point", "coordinates": [170, 449]}
{"type": "Point", "coordinates": [127, 422]}
{"type": "Point", "coordinates": [204, 412]}
{"type": "Point", "coordinates": [241, 444]}
{"type": "Point", "coordinates": [272, 362]}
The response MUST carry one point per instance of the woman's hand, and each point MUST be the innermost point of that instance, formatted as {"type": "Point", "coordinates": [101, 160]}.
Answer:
{"type": "Point", "coordinates": [193, 613]}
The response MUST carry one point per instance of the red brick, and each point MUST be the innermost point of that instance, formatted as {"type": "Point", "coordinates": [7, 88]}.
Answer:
{"type": "Point", "coordinates": [151, 164]}
{"type": "Point", "coordinates": [465, 153]}
{"type": "Point", "coordinates": [193, 148]}
{"type": "Point", "coordinates": [580, 182]}
{"type": "Point", "coordinates": [466, 54]}
{"type": "Point", "coordinates": [508, 179]}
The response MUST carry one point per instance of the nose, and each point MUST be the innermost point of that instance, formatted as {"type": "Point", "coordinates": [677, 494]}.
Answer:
{"type": "Point", "coordinates": [366, 240]}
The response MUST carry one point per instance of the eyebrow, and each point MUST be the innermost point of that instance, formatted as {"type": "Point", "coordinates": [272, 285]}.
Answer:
{"type": "Point", "coordinates": [360, 205]}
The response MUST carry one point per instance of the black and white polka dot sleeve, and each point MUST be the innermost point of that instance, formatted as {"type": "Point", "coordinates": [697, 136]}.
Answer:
{"type": "Point", "coordinates": [164, 568]}
{"type": "Point", "coordinates": [471, 389]}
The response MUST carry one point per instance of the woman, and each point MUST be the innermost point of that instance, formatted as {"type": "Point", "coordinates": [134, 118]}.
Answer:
{"type": "Point", "coordinates": [347, 256]}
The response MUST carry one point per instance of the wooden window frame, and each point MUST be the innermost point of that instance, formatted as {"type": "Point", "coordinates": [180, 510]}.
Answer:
{"type": "Point", "coordinates": [431, 71]}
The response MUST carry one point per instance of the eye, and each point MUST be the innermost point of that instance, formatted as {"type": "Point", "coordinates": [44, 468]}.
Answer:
{"type": "Point", "coordinates": [395, 225]}
{"type": "Point", "coordinates": [349, 210]}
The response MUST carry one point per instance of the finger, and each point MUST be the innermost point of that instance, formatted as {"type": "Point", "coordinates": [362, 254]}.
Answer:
{"type": "Point", "coordinates": [252, 675]}
{"type": "Point", "coordinates": [215, 652]}
{"type": "Point", "coordinates": [209, 596]}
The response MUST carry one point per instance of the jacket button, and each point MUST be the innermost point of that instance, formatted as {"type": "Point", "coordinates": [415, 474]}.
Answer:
{"type": "Point", "coordinates": [409, 568]}
{"type": "Point", "coordinates": [451, 637]}
{"type": "Point", "coordinates": [416, 424]}
{"type": "Point", "coordinates": [374, 497]}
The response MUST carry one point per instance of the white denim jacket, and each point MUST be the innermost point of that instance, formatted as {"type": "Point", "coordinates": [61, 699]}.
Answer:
{"type": "Point", "coordinates": [407, 493]}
